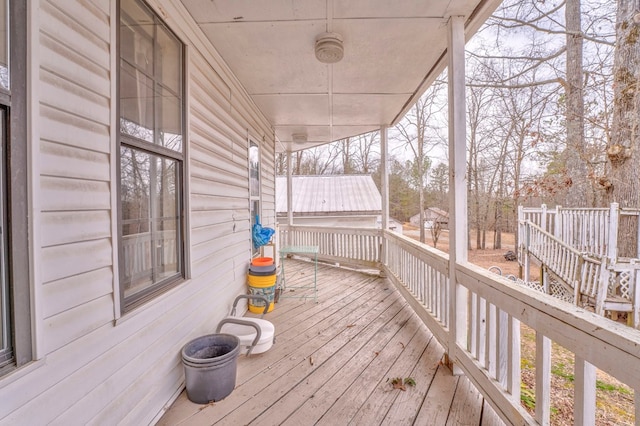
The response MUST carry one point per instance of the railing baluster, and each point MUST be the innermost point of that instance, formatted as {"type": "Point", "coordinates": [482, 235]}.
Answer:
{"type": "Point", "coordinates": [491, 340]}
{"type": "Point", "coordinates": [473, 324]}
{"type": "Point", "coordinates": [502, 346]}
{"type": "Point", "coordinates": [543, 379]}
{"type": "Point", "coordinates": [482, 332]}
{"type": "Point", "coordinates": [513, 366]}
{"type": "Point", "coordinates": [584, 407]}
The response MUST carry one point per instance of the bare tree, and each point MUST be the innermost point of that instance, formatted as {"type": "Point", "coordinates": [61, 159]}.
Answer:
{"type": "Point", "coordinates": [624, 179]}
{"type": "Point", "coordinates": [580, 193]}
{"type": "Point", "coordinates": [439, 185]}
{"type": "Point", "coordinates": [418, 134]}
{"type": "Point", "coordinates": [365, 155]}
{"type": "Point", "coordinates": [555, 53]}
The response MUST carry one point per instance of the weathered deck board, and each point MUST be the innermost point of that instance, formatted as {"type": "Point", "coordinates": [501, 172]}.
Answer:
{"type": "Point", "coordinates": [333, 363]}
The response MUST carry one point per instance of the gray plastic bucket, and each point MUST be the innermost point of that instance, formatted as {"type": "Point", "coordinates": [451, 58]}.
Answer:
{"type": "Point", "coordinates": [210, 364]}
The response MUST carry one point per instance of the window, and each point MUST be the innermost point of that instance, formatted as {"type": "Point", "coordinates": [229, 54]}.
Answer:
{"type": "Point", "coordinates": [15, 314]}
{"type": "Point", "coordinates": [151, 155]}
{"type": "Point", "coordinates": [6, 344]}
{"type": "Point", "coordinates": [254, 185]}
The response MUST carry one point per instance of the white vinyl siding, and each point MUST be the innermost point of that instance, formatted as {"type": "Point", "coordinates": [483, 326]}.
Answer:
{"type": "Point", "coordinates": [75, 170]}
{"type": "Point", "coordinates": [98, 368]}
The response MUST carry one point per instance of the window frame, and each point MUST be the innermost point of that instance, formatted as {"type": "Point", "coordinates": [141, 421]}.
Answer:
{"type": "Point", "coordinates": [254, 198]}
{"type": "Point", "coordinates": [15, 190]}
{"type": "Point", "coordinates": [156, 150]}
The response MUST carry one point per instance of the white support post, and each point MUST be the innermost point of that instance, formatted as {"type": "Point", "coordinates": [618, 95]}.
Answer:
{"type": "Point", "coordinates": [612, 243]}
{"type": "Point", "coordinates": [543, 217]}
{"type": "Point", "coordinates": [384, 225]}
{"type": "Point", "coordinates": [458, 233]}
{"type": "Point", "coordinates": [527, 259]}
{"type": "Point", "coordinates": [557, 229]}
{"type": "Point", "coordinates": [384, 153]}
{"type": "Point", "coordinates": [635, 282]}
{"type": "Point", "coordinates": [289, 197]}
{"type": "Point", "coordinates": [584, 407]}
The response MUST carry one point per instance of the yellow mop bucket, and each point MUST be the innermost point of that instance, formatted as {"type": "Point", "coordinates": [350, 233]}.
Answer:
{"type": "Point", "coordinates": [264, 286]}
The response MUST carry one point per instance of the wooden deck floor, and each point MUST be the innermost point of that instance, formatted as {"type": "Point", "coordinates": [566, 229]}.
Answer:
{"type": "Point", "coordinates": [333, 363]}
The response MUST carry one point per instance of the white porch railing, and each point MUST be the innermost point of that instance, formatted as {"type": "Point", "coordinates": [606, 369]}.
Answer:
{"type": "Point", "coordinates": [489, 350]}
{"type": "Point", "coordinates": [589, 230]}
{"type": "Point", "coordinates": [578, 246]}
{"type": "Point", "coordinates": [587, 277]}
{"type": "Point", "coordinates": [141, 252]}
{"type": "Point", "coordinates": [359, 247]}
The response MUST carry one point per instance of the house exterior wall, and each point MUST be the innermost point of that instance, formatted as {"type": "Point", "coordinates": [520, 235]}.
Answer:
{"type": "Point", "coordinates": [91, 364]}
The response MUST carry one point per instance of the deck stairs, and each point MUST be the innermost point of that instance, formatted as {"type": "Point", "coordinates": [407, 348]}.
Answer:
{"type": "Point", "coordinates": [576, 250]}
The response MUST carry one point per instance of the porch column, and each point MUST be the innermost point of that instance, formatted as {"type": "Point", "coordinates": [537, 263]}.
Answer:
{"type": "Point", "coordinates": [289, 191]}
{"type": "Point", "coordinates": [384, 154]}
{"type": "Point", "coordinates": [458, 232]}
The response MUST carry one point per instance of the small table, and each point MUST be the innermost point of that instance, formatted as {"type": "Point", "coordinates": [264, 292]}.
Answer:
{"type": "Point", "coordinates": [312, 250]}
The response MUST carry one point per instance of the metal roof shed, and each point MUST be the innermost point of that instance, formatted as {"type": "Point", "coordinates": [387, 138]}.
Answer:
{"type": "Point", "coordinates": [333, 200]}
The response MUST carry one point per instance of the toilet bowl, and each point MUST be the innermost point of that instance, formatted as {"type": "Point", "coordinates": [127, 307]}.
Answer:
{"type": "Point", "coordinates": [247, 333]}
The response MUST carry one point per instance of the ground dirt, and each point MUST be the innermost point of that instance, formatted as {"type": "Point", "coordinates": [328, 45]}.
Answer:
{"type": "Point", "coordinates": [614, 400]}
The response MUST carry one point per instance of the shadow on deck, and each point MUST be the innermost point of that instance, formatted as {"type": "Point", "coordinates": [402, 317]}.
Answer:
{"type": "Point", "coordinates": [333, 363]}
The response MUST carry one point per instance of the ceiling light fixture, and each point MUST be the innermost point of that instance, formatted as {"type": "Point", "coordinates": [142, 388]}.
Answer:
{"type": "Point", "coordinates": [329, 48]}
{"type": "Point", "coordinates": [299, 137]}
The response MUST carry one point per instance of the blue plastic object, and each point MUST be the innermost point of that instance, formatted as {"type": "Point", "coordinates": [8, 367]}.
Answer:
{"type": "Point", "coordinates": [261, 236]}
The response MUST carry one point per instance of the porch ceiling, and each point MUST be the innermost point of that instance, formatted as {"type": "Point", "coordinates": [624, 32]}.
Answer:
{"type": "Point", "coordinates": [392, 51]}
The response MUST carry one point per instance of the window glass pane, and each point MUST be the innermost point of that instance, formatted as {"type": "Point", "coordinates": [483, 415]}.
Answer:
{"type": "Point", "coordinates": [254, 169]}
{"type": "Point", "coordinates": [169, 51]}
{"type": "Point", "coordinates": [4, 45]}
{"type": "Point", "coordinates": [5, 317]}
{"type": "Point", "coordinates": [136, 103]}
{"type": "Point", "coordinates": [150, 222]}
{"type": "Point", "coordinates": [136, 36]}
{"type": "Point", "coordinates": [150, 78]}
{"type": "Point", "coordinates": [170, 121]}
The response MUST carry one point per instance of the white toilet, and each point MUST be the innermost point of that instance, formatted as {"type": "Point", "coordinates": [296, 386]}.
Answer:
{"type": "Point", "coordinates": [256, 335]}
{"type": "Point", "coordinates": [245, 330]}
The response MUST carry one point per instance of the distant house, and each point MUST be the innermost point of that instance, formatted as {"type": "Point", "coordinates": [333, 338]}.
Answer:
{"type": "Point", "coordinates": [394, 225]}
{"type": "Point", "coordinates": [432, 215]}
{"type": "Point", "coordinates": [330, 200]}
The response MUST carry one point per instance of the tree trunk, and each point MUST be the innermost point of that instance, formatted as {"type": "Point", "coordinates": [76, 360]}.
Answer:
{"type": "Point", "coordinates": [421, 216]}
{"type": "Point", "coordinates": [578, 194]}
{"type": "Point", "coordinates": [624, 179]}
{"type": "Point", "coordinates": [497, 237]}
{"type": "Point", "coordinates": [296, 169]}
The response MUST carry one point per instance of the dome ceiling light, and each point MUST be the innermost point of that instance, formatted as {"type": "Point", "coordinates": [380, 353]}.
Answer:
{"type": "Point", "coordinates": [299, 137]}
{"type": "Point", "coordinates": [329, 48]}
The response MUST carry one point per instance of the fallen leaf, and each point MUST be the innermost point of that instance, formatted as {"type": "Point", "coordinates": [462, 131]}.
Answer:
{"type": "Point", "coordinates": [397, 384]}
{"type": "Point", "coordinates": [377, 353]}
{"type": "Point", "coordinates": [351, 325]}
{"type": "Point", "coordinates": [311, 360]}
{"type": "Point", "coordinates": [409, 381]}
